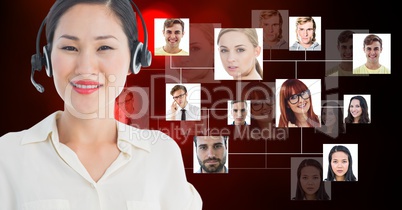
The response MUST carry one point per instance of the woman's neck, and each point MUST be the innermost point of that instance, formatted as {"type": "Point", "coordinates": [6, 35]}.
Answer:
{"type": "Point", "coordinates": [251, 75]}
{"type": "Point", "coordinates": [340, 178]}
{"type": "Point", "coordinates": [330, 128]}
{"type": "Point", "coordinates": [76, 130]}
{"type": "Point", "coordinates": [310, 196]}
{"type": "Point", "coordinates": [301, 120]}
{"type": "Point", "coordinates": [356, 120]}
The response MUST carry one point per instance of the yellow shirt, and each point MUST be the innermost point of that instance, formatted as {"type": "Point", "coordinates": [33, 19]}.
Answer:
{"type": "Point", "coordinates": [338, 71]}
{"type": "Point", "coordinates": [364, 70]}
{"type": "Point", "coordinates": [161, 51]}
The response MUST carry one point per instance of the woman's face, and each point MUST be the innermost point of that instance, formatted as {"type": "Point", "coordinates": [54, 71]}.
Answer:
{"type": "Point", "coordinates": [339, 163]}
{"type": "Point", "coordinates": [328, 116]}
{"type": "Point", "coordinates": [201, 56]}
{"type": "Point", "coordinates": [355, 108]}
{"type": "Point", "coordinates": [90, 57]}
{"type": "Point", "coordinates": [261, 108]}
{"type": "Point", "coordinates": [310, 180]}
{"type": "Point", "coordinates": [300, 102]}
{"type": "Point", "coordinates": [201, 51]}
{"type": "Point", "coordinates": [237, 54]}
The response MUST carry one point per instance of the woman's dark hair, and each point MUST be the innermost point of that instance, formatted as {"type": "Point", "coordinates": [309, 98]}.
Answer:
{"type": "Point", "coordinates": [255, 92]}
{"type": "Point", "coordinates": [321, 194]}
{"type": "Point", "coordinates": [364, 118]}
{"type": "Point", "coordinates": [349, 176]}
{"type": "Point", "coordinates": [338, 113]}
{"type": "Point", "coordinates": [122, 9]}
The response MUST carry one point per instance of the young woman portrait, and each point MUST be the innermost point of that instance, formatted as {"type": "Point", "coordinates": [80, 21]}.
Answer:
{"type": "Point", "coordinates": [332, 119]}
{"type": "Point", "coordinates": [358, 109]}
{"type": "Point", "coordinates": [342, 162]}
{"type": "Point", "coordinates": [239, 54]}
{"type": "Point", "coordinates": [309, 184]}
{"type": "Point", "coordinates": [81, 157]}
{"type": "Point", "coordinates": [296, 102]}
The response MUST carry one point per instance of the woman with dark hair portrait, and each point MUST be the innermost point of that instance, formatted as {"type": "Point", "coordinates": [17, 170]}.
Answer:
{"type": "Point", "coordinates": [332, 119]}
{"type": "Point", "coordinates": [358, 110]}
{"type": "Point", "coordinates": [262, 103]}
{"type": "Point", "coordinates": [81, 157]}
{"type": "Point", "coordinates": [340, 164]}
{"type": "Point", "coordinates": [296, 105]}
{"type": "Point", "coordinates": [309, 181]}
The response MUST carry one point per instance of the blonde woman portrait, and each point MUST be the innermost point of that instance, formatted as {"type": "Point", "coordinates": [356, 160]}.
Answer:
{"type": "Point", "coordinates": [238, 54]}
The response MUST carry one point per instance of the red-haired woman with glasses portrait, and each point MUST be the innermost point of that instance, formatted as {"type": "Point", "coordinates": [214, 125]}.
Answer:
{"type": "Point", "coordinates": [296, 105]}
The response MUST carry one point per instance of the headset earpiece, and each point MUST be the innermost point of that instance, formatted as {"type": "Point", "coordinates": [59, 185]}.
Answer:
{"type": "Point", "coordinates": [47, 62]}
{"type": "Point", "coordinates": [140, 57]}
{"type": "Point", "coordinates": [146, 58]}
{"type": "Point", "coordinates": [136, 57]}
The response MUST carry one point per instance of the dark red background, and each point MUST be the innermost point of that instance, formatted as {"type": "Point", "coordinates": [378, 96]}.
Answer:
{"type": "Point", "coordinates": [22, 106]}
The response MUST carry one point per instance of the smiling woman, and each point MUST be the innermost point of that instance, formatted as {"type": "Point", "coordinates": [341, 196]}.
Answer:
{"type": "Point", "coordinates": [296, 107]}
{"type": "Point", "coordinates": [357, 110]}
{"type": "Point", "coordinates": [82, 158]}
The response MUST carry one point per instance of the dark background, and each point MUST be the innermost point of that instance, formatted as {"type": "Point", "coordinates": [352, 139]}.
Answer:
{"type": "Point", "coordinates": [250, 184]}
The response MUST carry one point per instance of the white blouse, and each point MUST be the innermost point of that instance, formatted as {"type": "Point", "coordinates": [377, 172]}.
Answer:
{"type": "Point", "coordinates": [39, 172]}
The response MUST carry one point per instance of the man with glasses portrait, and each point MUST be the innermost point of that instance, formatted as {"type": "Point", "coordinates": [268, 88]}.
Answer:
{"type": "Point", "coordinates": [181, 109]}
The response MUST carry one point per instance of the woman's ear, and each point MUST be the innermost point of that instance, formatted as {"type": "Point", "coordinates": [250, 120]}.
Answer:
{"type": "Point", "coordinates": [257, 51]}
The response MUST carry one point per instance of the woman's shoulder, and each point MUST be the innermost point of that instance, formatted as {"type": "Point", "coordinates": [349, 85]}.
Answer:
{"type": "Point", "coordinates": [152, 139]}
{"type": "Point", "coordinates": [158, 144]}
{"type": "Point", "coordinates": [10, 143]}
{"type": "Point", "coordinates": [12, 137]}
{"type": "Point", "coordinates": [291, 125]}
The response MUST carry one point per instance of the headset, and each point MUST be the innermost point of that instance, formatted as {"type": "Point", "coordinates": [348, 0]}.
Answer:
{"type": "Point", "coordinates": [140, 55]}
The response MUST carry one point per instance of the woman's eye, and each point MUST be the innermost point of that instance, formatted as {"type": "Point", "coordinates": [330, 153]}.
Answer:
{"type": "Point", "coordinates": [105, 48]}
{"type": "Point", "coordinates": [69, 48]}
{"type": "Point", "coordinates": [194, 49]}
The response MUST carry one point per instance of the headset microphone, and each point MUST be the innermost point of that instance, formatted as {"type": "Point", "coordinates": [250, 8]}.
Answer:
{"type": "Point", "coordinates": [140, 55]}
{"type": "Point", "coordinates": [39, 87]}
{"type": "Point", "coordinates": [37, 61]}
